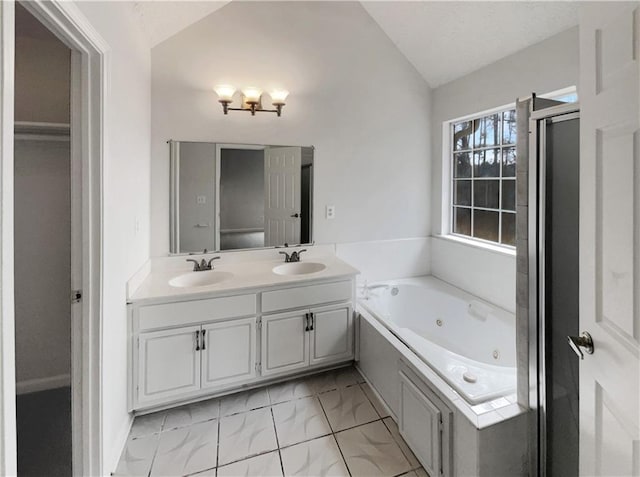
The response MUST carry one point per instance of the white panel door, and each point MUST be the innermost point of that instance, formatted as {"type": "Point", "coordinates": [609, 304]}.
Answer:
{"type": "Point", "coordinates": [285, 342]}
{"type": "Point", "coordinates": [331, 334]}
{"type": "Point", "coordinates": [610, 238]}
{"type": "Point", "coordinates": [282, 195]}
{"type": "Point", "coordinates": [228, 352]}
{"type": "Point", "coordinates": [419, 424]}
{"type": "Point", "coordinates": [168, 363]}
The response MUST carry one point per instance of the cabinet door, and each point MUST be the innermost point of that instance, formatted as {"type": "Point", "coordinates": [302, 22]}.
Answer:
{"type": "Point", "coordinates": [331, 334]}
{"type": "Point", "coordinates": [419, 424]}
{"type": "Point", "coordinates": [228, 352]}
{"type": "Point", "coordinates": [285, 342]}
{"type": "Point", "coordinates": [168, 363]}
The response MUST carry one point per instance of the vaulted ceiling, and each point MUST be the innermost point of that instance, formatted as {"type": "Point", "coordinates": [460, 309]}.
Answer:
{"type": "Point", "coordinates": [444, 40]}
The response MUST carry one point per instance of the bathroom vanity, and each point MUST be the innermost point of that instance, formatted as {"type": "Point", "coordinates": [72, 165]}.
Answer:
{"type": "Point", "coordinates": [260, 322]}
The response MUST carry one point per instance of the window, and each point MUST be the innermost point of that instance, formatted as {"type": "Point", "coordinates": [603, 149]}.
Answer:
{"type": "Point", "coordinates": [483, 194]}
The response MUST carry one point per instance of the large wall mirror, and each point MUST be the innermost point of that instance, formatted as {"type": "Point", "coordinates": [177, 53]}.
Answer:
{"type": "Point", "coordinates": [238, 196]}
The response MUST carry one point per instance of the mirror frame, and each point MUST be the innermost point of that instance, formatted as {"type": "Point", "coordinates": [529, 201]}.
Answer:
{"type": "Point", "coordinates": [174, 177]}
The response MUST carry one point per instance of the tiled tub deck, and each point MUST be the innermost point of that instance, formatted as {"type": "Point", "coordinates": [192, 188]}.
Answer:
{"type": "Point", "coordinates": [329, 424]}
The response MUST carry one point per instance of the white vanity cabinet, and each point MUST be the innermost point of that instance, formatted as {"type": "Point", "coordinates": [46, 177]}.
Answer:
{"type": "Point", "coordinates": [190, 349]}
{"type": "Point", "coordinates": [169, 364]}
{"type": "Point", "coordinates": [299, 339]}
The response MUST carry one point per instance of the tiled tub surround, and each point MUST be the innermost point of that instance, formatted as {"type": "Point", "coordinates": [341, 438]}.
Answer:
{"type": "Point", "coordinates": [487, 439]}
{"type": "Point", "coordinates": [325, 424]}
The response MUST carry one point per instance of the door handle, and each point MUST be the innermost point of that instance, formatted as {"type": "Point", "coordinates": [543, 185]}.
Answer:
{"type": "Point", "coordinates": [204, 346]}
{"type": "Point", "coordinates": [296, 215]}
{"type": "Point", "coordinates": [583, 341]}
{"type": "Point", "coordinates": [313, 318]}
{"type": "Point", "coordinates": [306, 318]}
{"type": "Point", "coordinates": [198, 340]}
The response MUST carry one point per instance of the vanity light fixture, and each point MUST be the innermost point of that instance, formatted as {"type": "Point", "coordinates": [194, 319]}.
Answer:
{"type": "Point", "coordinates": [251, 99]}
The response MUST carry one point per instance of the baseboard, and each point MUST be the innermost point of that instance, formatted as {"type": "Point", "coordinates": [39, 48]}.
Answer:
{"type": "Point", "coordinates": [42, 384]}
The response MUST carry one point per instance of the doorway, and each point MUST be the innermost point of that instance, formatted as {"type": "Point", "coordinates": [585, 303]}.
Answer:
{"type": "Point", "coordinates": [42, 250]}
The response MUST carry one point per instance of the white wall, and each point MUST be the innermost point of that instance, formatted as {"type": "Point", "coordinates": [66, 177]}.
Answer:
{"type": "Point", "coordinates": [42, 69]}
{"type": "Point", "coordinates": [353, 96]}
{"type": "Point", "coordinates": [547, 66]}
{"type": "Point", "coordinates": [126, 179]}
{"type": "Point", "coordinates": [43, 264]}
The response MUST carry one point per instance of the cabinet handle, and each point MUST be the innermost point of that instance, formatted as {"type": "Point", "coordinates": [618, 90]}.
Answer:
{"type": "Point", "coordinates": [313, 319]}
{"type": "Point", "coordinates": [306, 319]}
{"type": "Point", "coordinates": [204, 345]}
{"type": "Point", "coordinates": [198, 340]}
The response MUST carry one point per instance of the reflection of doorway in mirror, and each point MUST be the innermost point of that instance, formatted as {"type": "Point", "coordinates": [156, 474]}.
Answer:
{"type": "Point", "coordinates": [282, 200]}
{"type": "Point", "coordinates": [241, 192]}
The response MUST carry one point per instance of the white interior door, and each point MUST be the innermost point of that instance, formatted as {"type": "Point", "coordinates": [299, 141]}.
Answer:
{"type": "Point", "coordinates": [610, 238]}
{"type": "Point", "coordinates": [282, 195]}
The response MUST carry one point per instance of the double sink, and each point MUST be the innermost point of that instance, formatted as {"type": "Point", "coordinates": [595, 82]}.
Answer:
{"type": "Point", "coordinates": [213, 277]}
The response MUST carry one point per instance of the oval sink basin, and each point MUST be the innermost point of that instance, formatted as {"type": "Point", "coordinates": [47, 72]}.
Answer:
{"type": "Point", "coordinates": [200, 279]}
{"type": "Point", "coordinates": [299, 268]}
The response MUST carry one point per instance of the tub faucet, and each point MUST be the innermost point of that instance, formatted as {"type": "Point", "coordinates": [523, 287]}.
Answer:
{"type": "Point", "coordinates": [366, 289]}
{"type": "Point", "coordinates": [203, 265]}
{"type": "Point", "coordinates": [294, 257]}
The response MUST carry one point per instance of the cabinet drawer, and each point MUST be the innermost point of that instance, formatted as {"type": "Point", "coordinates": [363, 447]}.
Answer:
{"type": "Point", "coordinates": [306, 296]}
{"type": "Point", "coordinates": [196, 311]}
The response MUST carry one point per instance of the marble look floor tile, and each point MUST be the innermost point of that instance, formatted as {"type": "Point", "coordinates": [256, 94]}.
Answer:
{"type": "Point", "coordinates": [147, 424]}
{"type": "Point", "coordinates": [137, 456]}
{"type": "Point", "coordinates": [247, 434]}
{"type": "Point", "coordinates": [319, 457]}
{"type": "Point", "coordinates": [289, 390]}
{"type": "Point", "coordinates": [395, 432]}
{"type": "Point", "coordinates": [187, 450]}
{"type": "Point", "coordinates": [265, 465]}
{"type": "Point", "coordinates": [336, 379]}
{"type": "Point", "coordinates": [191, 414]}
{"type": "Point", "coordinates": [380, 408]}
{"type": "Point", "coordinates": [371, 451]}
{"type": "Point", "coordinates": [299, 420]}
{"type": "Point", "coordinates": [347, 407]}
{"type": "Point", "coordinates": [244, 401]}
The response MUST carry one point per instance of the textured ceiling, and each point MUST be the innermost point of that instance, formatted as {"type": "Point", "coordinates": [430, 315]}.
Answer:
{"type": "Point", "coordinates": [163, 19]}
{"type": "Point", "coordinates": [444, 40]}
{"type": "Point", "coordinates": [447, 40]}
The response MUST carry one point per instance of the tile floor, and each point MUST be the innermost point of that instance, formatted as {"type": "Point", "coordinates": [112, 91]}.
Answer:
{"type": "Point", "coordinates": [329, 424]}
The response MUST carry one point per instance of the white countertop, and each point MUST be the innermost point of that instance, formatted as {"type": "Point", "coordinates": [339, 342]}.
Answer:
{"type": "Point", "coordinates": [246, 275]}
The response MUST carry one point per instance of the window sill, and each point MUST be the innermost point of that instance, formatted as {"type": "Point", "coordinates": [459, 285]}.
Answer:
{"type": "Point", "coordinates": [509, 251]}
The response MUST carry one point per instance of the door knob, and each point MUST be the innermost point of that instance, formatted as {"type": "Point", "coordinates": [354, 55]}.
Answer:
{"type": "Point", "coordinates": [296, 215]}
{"type": "Point", "coordinates": [583, 341]}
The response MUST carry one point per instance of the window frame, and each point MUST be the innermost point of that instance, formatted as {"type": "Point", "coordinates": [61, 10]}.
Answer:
{"type": "Point", "coordinates": [448, 165]}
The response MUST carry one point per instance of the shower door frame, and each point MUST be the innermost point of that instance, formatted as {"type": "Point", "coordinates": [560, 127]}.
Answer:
{"type": "Point", "coordinates": [538, 121]}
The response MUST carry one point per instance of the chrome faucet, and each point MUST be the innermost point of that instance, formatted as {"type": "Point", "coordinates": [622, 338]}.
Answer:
{"type": "Point", "coordinates": [203, 265]}
{"type": "Point", "coordinates": [294, 257]}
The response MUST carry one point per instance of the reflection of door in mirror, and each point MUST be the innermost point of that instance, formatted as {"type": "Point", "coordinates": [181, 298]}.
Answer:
{"type": "Point", "coordinates": [282, 201]}
{"type": "Point", "coordinates": [241, 198]}
{"type": "Point", "coordinates": [196, 196]}
{"type": "Point", "coordinates": [237, 196]}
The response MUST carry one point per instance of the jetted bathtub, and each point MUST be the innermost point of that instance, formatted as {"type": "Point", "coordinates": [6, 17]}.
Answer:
{"type": "Point", "coordinates": [468, 342]}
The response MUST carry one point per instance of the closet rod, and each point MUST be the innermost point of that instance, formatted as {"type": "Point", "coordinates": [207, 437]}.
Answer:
{"type": "Point", "coordinates": [30, 130]}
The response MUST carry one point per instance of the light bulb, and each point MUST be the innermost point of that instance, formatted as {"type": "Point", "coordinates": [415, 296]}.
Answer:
{"type": "Point", "coordinates": [225, 92]}
{"type": "Point", "coordinates": [252, 95]}
{"type": "Point", "coordinates": [279, 96]}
